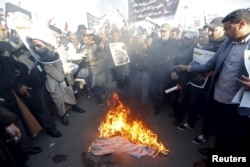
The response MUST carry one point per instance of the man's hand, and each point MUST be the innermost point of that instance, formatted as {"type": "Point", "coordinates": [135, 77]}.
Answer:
{"type": "Point", "coordinates": [2, 99]}
{"type": "Point", "coordinates": [14, 132]}
{"type": "Point", "coordinates": [24, 90]}
{"type": "Point", "coordinates": [181, 67]}
{"type": "Point", "coordinates": [245, 82]}
{"type": "Point", "coordinates": [17, 72]}
{"type": "Point", "coordinates": [174, 76]}
{"type": "Point", "coordinates": [125, 47]}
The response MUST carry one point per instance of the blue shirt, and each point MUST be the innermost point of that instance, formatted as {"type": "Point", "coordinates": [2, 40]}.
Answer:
{"type": "Point", "coordinates": [226, 85]}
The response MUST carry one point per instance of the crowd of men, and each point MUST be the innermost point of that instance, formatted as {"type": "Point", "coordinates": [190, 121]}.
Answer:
{"type": "Point", "coordinates": [48, 76]}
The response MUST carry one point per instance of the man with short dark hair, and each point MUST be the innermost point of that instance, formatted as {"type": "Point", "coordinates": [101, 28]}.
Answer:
{"type": "Point", "coordinates": [81, 33]}
{"type": "Point", "coordinates": [200, 84]}
{"type": "Point", "coordinates": [175, 34]}
{"type": "Point", "coordinates": [161, 60]}
{"type": "Point", "coordinates": [232, 125]}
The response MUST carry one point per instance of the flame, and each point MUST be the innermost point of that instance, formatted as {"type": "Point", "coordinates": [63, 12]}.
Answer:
{"type": "Point", "coordinates": [116, 123]}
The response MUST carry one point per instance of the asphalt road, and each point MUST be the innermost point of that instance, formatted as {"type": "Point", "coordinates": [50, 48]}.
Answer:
{"type": "Point", "coordinates": [71, 150]}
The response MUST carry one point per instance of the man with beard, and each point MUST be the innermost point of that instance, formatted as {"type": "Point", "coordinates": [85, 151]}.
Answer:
{"type": "Point", "coordinates": [161, 59]}
{"type": "Point", "coordinates": [56, 83]}
{"type": "Point", "coordinates": [231, 121]}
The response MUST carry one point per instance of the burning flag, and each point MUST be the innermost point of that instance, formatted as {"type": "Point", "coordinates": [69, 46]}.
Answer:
{"type": "Point", "coordinates": [118, 134]}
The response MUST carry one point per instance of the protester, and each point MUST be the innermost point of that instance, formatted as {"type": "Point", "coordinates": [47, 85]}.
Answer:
{"type": "Point", "coordinates": [203, 37]}
{"type": "Point", "coordinates": [104, 85]}
{"type": "Point", "coordinates": [7, 126]}
{"type": "Point", "coordinates": [75, 58]}
{"type": "Point", "coordinates": [161, 60]}
{"type": "Point", "coordinates": [120, 73]}
{"type": "Point", "coordinates": [231, 125]}
{"type": "Point", "coordinates": [184, 55]}
{"type": "Point", "coordinates": [200, 84]}
{"type": "Point", "coordinates": [90, 62]}
{"type": "Point", "coordinates": [69, 67]}
{"type": "Point", "coordinates": [81, 33]}
{"type": "Point", "coordinates": [56, 82]}
{"type": "Point", "coordinates": [216, 36]}
{"type": "Point", "coordinates": [175, 34]}
{"type": "Point", "coordinates": [21, 149]}
{"type": "Point", "coordinates": [140, 64]}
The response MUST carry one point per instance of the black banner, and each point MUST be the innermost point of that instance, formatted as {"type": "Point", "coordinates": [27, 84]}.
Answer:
{"type": "Point", "coordinates": [140, 9]}
{"type": "Point", "coordinates": [16, 16]}
{"type": "Point", "coordinates": [9, 7]}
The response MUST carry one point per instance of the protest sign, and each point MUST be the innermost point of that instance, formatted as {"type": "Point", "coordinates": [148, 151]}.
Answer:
{"type": "Point", "coordinates": [200, 57]}
{"type": "Point", "coordinates": [20, 20]}
{"type": "Point", "coordinates": [119, 55]}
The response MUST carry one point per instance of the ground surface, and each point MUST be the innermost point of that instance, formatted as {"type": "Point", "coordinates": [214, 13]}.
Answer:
{"type": "Point", "coordinates": [71, 149]}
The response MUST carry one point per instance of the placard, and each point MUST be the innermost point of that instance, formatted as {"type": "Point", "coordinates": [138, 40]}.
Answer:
{"type": "Point", "coordinates": [200, 57]}
{"type": "Point", "coordinates": [119, 55]}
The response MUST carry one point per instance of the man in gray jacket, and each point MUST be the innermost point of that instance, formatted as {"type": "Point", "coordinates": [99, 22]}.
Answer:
{"type": "Point", "coordinates": [232, 126]}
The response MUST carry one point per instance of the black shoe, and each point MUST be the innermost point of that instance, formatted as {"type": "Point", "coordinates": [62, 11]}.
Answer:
{"type": "Point", "coordinates": [200, 139]}
{"type": "Point", "coordinates": [35, 150]}
{"type": "Point", "coordinates": [185, 126]}
{"type": "Point", "coordinates": [64, 120]}
{"type": "Point", "coordinates": [54, 133]}
{"type": "Point", "coordinates": [78, 109]}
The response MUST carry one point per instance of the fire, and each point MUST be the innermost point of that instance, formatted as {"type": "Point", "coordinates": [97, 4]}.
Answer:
{"type": "Point", "coordinates": [116, 123]}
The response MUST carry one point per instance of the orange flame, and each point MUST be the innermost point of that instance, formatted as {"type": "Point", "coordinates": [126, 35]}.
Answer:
{"type": "Point", "coordinates": [116, 124]}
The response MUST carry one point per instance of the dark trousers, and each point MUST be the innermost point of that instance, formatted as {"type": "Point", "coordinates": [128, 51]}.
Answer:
{"type": "Point", "coordinates": [181, 103]}
{"type": "Point", "coordinates": [196, 104]}
{"type": "Point", "coordinates": [209, 118]}
{"type": "Point", "coordinates": [231, 130]}
{"type": "Point", "coordinates": [15, 154]}
{"type": "Point", "coordinates": [99, 92]}
{"type": "Point", "coordinates": [157, 87]}
{"type": "Point", "coordinates": [6, 158]}
{"type": "Point", "coordinates": [38, 105]}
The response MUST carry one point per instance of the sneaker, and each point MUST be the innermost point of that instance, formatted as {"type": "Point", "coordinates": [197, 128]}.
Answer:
{"type": "Point", "coordinates": [200, 139]}
{"type": "Point", "coordinates": [54, 133]}
{"type": "Point", "coordinates": [185, 126]}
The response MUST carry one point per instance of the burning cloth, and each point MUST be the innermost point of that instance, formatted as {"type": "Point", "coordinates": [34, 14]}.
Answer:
{"type": "Point", "coordinates": [119, 134]}
{"type": "Point", "coordinates": [117, 144]}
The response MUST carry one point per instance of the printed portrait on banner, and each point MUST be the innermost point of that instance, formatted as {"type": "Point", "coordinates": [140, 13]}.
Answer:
{"type": "Point", "coordinates": [119, 55]}
{"type": "Point", "coordinates": [20, 20]}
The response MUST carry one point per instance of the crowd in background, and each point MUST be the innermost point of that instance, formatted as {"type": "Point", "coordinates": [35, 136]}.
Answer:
{"type": "Point", "coordinates": [82, 62]}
